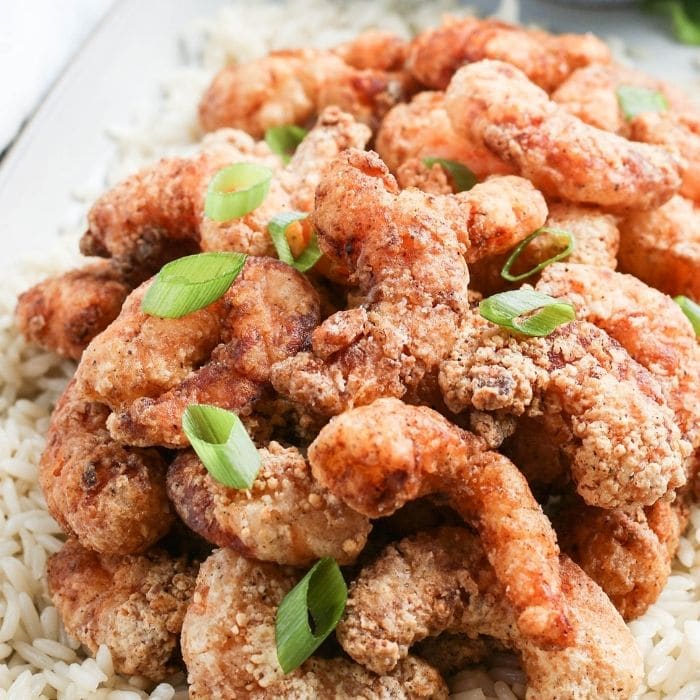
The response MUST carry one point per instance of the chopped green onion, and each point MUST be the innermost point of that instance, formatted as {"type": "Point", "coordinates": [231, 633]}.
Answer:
{"type": "Point", "coordinates": [464, 178]}
{"type": "Point", "coordinates": [321, 595]}
{"type": "Point", "coordinates": [684, 15]}
{"type": "Point", "coordinates": [505, 309]}
{"type": "Point", "coordinates": [635, 100]}
{"type": "Point", "coordinates": [190, 283]}
{"type": "Point", "coordinates": [283, 140]}
{"type": "Point", "coordinates": [236, 190]}
{"type": "Point", "coordinates": [692, 310]}
{"type": "Point", "coordinates": [222, 443]}
{"type": "Point", "coordinates": [505, 272]}
{"type": "Point", "coordinates": [278, 231]}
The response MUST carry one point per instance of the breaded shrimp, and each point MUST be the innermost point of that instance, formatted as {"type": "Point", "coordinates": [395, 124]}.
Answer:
{"type": "Point", "coordinates": [441, 580]}
{"type": "Point", "coordinates": [149, 369]}
{"type": "Point", "coordinates": [376, 458]}
{"type": "Point", "coordinates": [547, 59]}
{"type": "Point", "coordinates": [292, 86]}
{"type": "Point", "coordinates": [605, 411]}
{"type": "Point", "coordinates": [228, 643]}
{"type": "Point", "coordinates": [64, 313]}
{"type": "Point", "coordinates": [405, 252]}
{"type": "Point", "coordinates": [494, 104]}
{"type": "Point", "coordinates": [134, 604]}
{"type": "Point", "coordinates": [286, 517]}
{"type": "Point", "coordinates": [662, 247]}
{"type": "Point", "coordinates": [422, 129]}
{"type": "Point", "coordinates": [111, 497]}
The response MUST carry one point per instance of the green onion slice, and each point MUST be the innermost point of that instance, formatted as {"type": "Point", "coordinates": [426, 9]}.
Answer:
{"type": "Point", "coordinates": [190, 283]}
{"type": "Point", "coordinates": [236, 190]}
{"type": "Point", "coordinates": [568, 237]}
{"type": "Point", "coordinates": [635, 100]}
{"type": "Point", "coordinates": [278, 231]}
{"type": "Point", "coordinates": [506, 308]}
{"type": "Point", "coordinates": [321, 595]}
{"type": "Point", "coordinates": [684, 15]}
{"type": "Point", "coordinates": [222, 443]}
{"type": "Point", "coordinates": [283, 140]}
{"type": "Point", "coordinates": [692, 310]}
{"type": "Point", "coordinates": [464, 178]}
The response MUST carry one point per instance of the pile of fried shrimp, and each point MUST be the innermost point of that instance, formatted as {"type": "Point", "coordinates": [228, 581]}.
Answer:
{"type": "Point", "coordinates": [482, 489]}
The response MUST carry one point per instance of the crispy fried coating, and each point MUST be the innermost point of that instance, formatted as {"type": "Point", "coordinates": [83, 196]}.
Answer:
{"type": "Point", "coordinates": [111, 497]}
{"type": "Point", "coordinates": [493, 103]}
{"type": "Point", "coordinates": [376, 458]}
{"type": "Point", "coordinates": [149, 369]}
{"type": "Point", "coordinates": [441, 581]}
{"type": "Point", "coordinates": [605, 411]}
{"type": "Point", "coordinates": [628, 554]}
{"type": "Point", "coordinates": [134, 604]}
{"type": "Point", "coordinates": [374, 48]}
{"type": "Point", "coordinates": [662, 247]}
{"type": "Point", "coordinates": [286, 517]}
{"type": "Point", "coordinates": [64, 313]}
{"type": "Point", "coordinates": [228, 643]}
{"type": "Point", "coordinates": [405, 252]}
{"type": "Point", "coordinates": [437, 53]}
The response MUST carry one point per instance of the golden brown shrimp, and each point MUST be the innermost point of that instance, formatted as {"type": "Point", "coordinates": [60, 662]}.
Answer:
{"type": "Point", "coordinates": [64, 313]}
{"type": "Point", "coordinates": [494, 104]}
{"type": "Point", "coordinates": [441, 580]}
{"type": "Point", "coordinates": [134, 604]}
{"type": "Point", "coordinates": [405, 250]}
{"type": "Point", "coordinates": [604, 411]}
{"type": "Point", "coordinates": [286, 517]}
{"type": "Point", "coordinates": [662, 247]}
{"type": "Point", "coordinates": [436, 54]}
{"type": "Point", "coordinates": [228, 643]}
{"type": "Point", "coordinates": [111, 497]}
{"type": "Point", "coordinates": [376, 458]}
{"type": "Point", "coordinates": [292, 86]}
{"type": "Point", "coordinates": [374, 48]}
{"type": "Point", "coordinates": [149, 369]}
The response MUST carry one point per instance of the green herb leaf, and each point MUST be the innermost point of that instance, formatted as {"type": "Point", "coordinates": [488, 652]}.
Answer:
{"type": "Point", "coordinates": [278, 232]}
{"type": "Point", "coordinates": [684, 16]}
{"type": "Point", "coordinates": [190, 283]}
{"type": "Point", "coordinates": [222, 443]}
{"type": "Point", "coordinates": [691, 310]}
{"type": "Point", "coordinates": [283, 140]}
{"type": "Point", "coordinates": [236, 190]}
{"type": "Point", "coordinates": [322, 595]}
{"type": "Point", "coordinates": [506, 308]}
{"type": "Point", "coordinates": [464, 178]}
{"type": "Point", "coordinates": [568, 237]}
{"type": "Point", "coordinates": [636, 100]}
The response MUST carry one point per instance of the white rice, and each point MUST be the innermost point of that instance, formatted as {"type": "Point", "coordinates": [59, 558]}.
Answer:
{"type": "Point", "coordinates": [37, 658]}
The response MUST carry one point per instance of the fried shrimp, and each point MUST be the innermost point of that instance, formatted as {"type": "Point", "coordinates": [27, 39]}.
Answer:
{"type": "Point", "coordinates": [441, 581]}
{"type": "Point", "coordinates": [111, 497]}
{"type": "Point", "coordinates": [662, 247]}
{"type": "Point", "coordinates": [376, 458]}
{"type": "Point", "coordinates": [604, 411]}
{"type": "Point", "coordinates": [436, 54]}
{"type": "Point", "coordinates": [149, 369]}
{"type": "Point", "coordinates": [228, 643]}
{"type": "Point", "coordinates": [494, 104]}
{"type": "Point", "coordinates": [286, 517]}
{"type": "Point", "coordinates": [405, 251]}
{"type": "Point", "coordinates": [133, 604]}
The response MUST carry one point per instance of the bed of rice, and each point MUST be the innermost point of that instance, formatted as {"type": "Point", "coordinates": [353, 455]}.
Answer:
{"type": "Point", "coordinates": [37, 658]}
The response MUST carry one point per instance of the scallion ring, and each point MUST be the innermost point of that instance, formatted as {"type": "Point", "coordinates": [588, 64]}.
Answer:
{"type": "Point", "coordinates": [692, 311]}
{"type": "Point", "coordinates": [190, 283]}
{"type": "Point", "coordinates": [464, 178]}
{"type": "Point", "coordinates": [635, 100]}
{"type": "Point", "coordinates": [505, 272]}
{"type": "Point", "coordinates": [506, 308]}
{"type": "Point", "coordinates": [284, 140]}
{"type": "Point", "coordinates": [236, 190]}
{"type": "Point", "coordinates": [321, 595]}
{"type": "Point", "coordinates": [222, 443]}
{"type": "Point", "coordinates": [278, 227]}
